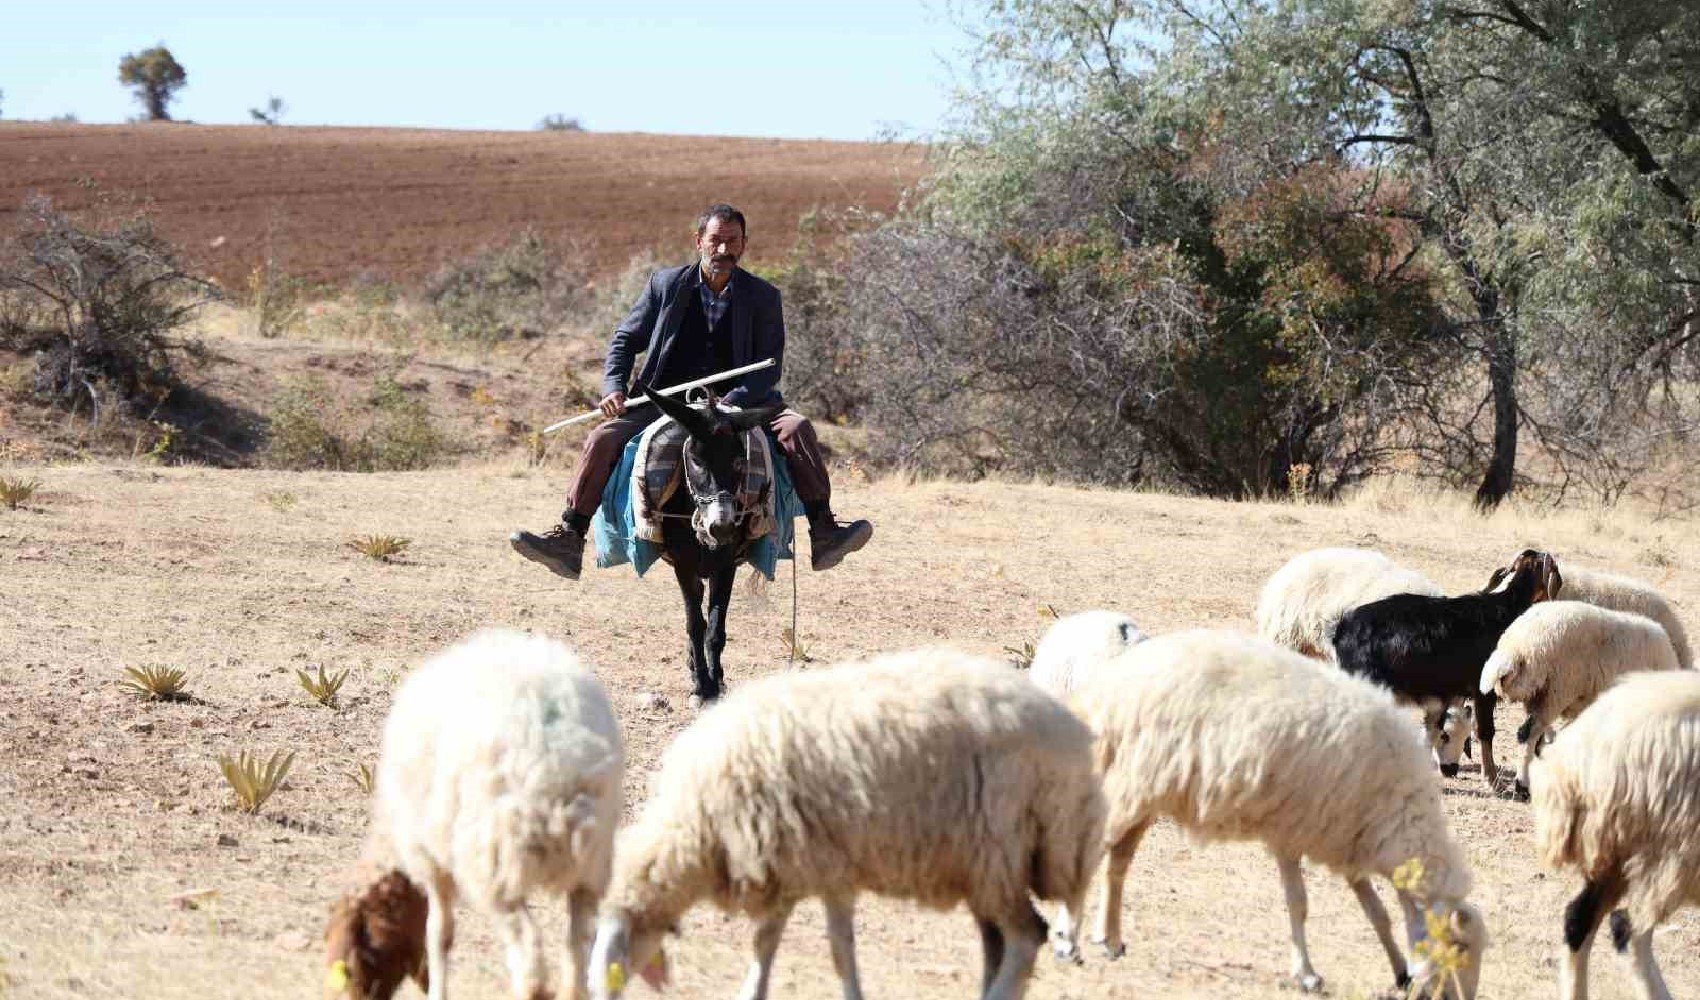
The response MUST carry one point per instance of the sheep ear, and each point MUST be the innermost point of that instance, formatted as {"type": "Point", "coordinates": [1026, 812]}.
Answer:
{"type": "Point", "coordinates": [1467, 752]}
{"type": "Point", "coordinates": [1462, 921]}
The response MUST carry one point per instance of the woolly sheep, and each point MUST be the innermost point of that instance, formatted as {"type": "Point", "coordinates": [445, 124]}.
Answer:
{"type": "Point", "coordinates": [1557, 657]}
{"type": "Point", "coordinates": [1617, 800]}
{"type": "Point", "coordinates": [934, 776]}
{"type": "Point", "coordinates": [1622, 593]}
{"type": "Point", "coordinates": [500, 777]}
{"type": "Point", "coordinates": [1236, 738]}
{"type": "Point", "coordinates": [1302, 602]}
{"type": "Point", "coordinates": [1075, 644]}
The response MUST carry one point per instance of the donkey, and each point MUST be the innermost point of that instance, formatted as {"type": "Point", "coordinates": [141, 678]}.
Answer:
{"type": "Point", "coordinates": [704, 535]}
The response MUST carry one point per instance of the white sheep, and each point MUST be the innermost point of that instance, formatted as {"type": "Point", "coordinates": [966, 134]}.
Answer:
{"type": "Point", "coordinates": [1617, 799]}
{"type": "Point", "coordinates": [1302, 602]}
{"type": "Point", "coordinates": [1075, 644]}
{"type": "Point", "coordinates": [500, 778]}
{"type": "Point", "coordinates": [933, 776]}
{"type": "Point", "coordinates": [1622, 593]}
{"type": "Point", "coordinates": [1558, 656]}
{"type": "Point", "coordinates": [1236, 738]}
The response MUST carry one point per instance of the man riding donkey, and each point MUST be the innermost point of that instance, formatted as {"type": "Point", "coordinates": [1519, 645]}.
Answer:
{"type": "Point", "coordinates": [691, 322]}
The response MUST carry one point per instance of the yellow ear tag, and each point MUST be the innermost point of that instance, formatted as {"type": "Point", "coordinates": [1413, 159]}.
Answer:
{"type": "Point", "coordinates": [616, 980]}
{"type": "Point", "coordinates": [336, 977]}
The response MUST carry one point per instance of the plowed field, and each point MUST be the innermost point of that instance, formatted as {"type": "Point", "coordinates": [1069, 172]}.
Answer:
{"type": "Point", "coordinates": [333, 204]}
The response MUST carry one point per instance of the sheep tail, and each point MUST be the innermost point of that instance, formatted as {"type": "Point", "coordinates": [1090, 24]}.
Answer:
{"type": "Point", "coordinates": [1560, 814]}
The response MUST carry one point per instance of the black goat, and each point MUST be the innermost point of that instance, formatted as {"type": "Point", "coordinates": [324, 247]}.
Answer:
{"type": "Point", "coordinates": [1431, 650]}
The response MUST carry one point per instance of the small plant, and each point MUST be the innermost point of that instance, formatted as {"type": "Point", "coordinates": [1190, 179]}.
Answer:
{"type": "Point", "coordinates": [275, 300]}
{"type": "Point", "coordinates": [1298, 482]}
{"type": "Point", "coordinates": [14, 493]}
{"type": "Point", "coordinates": [1021, 656]}
{"type": "Point", "coordinates": [157, 683]}
{"type": "Point", "coordinates": [795, 649]}
{"type": "Point", "coordinates": [380, 547]}
{"type": "Point", "coordinates": [363, 777]}
{"type": "Point", "coordinates": [281, 501]}
{"type": "Point", "coordinates": [252, 780]}
{"type": "Point", "coordinates": [322, 686]}
{"type": "Point", "coordinates": [1445, 957]}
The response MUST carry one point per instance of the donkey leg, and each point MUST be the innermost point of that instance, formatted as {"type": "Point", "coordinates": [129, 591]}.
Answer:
{"type": "Point", "coordinates": [719, 599]}
{"type": "Point", "coordinates": [690, 588]}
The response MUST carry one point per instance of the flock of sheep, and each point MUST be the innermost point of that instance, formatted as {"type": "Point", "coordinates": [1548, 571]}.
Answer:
{"type": "Point", "coordinates": [946, 778]}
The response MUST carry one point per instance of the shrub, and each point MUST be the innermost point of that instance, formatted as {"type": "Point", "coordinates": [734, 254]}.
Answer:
{"type": "Point", "coordinates": [157, 683]}
{"type": "Point", "coordinates": [310, 429]}
{"type": "Point", "coordinates": [321, 686]}
{"type": "Point", "coordinates": [559, 123]}
{"type": "Point", "coordinates": [98, 307]}
{"type": "Point", "coordinates": [383, 548]}
{"type": "Point", "coordinates": [524, 288]}
{"type": "Point", "coordinates": [17, 491]}
{"type": "Point", "coordinates": [254, 780]}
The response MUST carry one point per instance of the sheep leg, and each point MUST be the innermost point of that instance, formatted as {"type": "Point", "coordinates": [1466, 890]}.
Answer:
{"type": "Point", "coordinates": [1649, 983]}
{"type": "Point", "coordinates": [1116, 861]}
{"type": "Point", "coordinates": [690, 588]}
{"type": "Point", "coordinates": [524, 948]}
{"type": "Point", "coordinates": [841, 932]}
{"type": "Point", "coordinates": [765, 944]}
{"type": "Point", "coordinates": [1537, 727]}
{"type": "Point", "coordinates": [719, 599]}
{"type": "Point", "coordinates": [1484, 732]}
{"type": "Point", "coordinates": [1582, 919]}
{"type": "Point", "coordinates": [582, 931]}
{"type": "Point", "coordinates": [1298, 909]}
{"type": "Point", "coordinates": [439, 900]}
{"type": "Point", "coordinates": [1377, 914]}
{"type": "Point", "coordinates": [1023, 936]}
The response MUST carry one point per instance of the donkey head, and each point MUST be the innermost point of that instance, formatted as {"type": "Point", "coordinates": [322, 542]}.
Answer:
{"type": "Point", "coordinates": [714, 463]}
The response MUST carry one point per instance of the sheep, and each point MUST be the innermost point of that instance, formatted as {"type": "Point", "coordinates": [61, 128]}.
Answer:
{"type": "Point", "coordinates": [1622, 593]}
{"type": "Point", "coordinates": [1237, 738]}
{"type": "Point", "coordinates": [1302, 602]}
{"type": "Point", "coordinates": [1557, 657]}
{"type": "Point", "coordinates": [932, 775]}
{"type": "Point", "coordinates": [500, 776]}
{"type": "Point", "coordinates": [1072, 646]}
{"type": "Point", "coordinates": [1617, 800]}
{"type": "Point", "coordinates": [1432, 649]}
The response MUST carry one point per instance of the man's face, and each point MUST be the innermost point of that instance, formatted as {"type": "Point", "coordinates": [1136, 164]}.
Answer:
{"type": "Point", "coordinates": [720, 246]}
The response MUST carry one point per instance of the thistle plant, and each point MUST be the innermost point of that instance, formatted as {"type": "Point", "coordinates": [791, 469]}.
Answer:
{"type": "Point", "coordinates": [380, 547]}
{"type": "Point", "coordinates": [1442, 954]}
{"type": "Point", "coordinates": [254, 780]}
{"type": "Point", "coordinates": [15, 492]}
{"type": "Point", "coordinates": [157, 683]}
{"type": "Point", "coordinates": [322, 686]}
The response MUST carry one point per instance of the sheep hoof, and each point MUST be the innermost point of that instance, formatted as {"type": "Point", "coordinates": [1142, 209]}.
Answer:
{"type": "Point", "coordinates": [1309, 983]}
{"type": "Point", "coordinates": [1067, 951]}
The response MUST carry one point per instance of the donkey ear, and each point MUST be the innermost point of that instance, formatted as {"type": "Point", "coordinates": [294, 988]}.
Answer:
{"type": "Point", "coordinates": [761, 416]}
{"type": "Point", "coordinates": [691, 419]}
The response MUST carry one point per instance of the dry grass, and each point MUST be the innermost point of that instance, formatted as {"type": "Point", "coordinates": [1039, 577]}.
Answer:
{"type": "Point", "coordinates": [15, 492]}
{"type": "Point", "coordinates": [380, 547]}
{"type": "Point", "coordinates": [157, 682]}
{"type": "Point", "coordinates": [174, 565]}
{"type": "Point", "coordinates": [252, 779]}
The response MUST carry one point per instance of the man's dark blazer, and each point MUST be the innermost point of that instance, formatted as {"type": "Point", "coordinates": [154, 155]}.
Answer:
{"type": "Point", "coordinates": [758, 332]}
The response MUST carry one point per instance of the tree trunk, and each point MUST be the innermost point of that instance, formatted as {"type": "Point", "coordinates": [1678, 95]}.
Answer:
{"type": "Point", "coordinates": [1502, 383]}
{"type": "Point", "coordinates": [156, 105]}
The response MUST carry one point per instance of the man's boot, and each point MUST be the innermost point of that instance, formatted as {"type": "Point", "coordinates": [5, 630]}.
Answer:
{"type": "Point", "coordinates": [561, 549]}
{"type": "Point", "coordinates": [830, 542]}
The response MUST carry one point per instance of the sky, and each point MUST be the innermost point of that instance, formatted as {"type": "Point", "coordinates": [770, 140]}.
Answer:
{"type": "Point", "coordinates": [800, 69]}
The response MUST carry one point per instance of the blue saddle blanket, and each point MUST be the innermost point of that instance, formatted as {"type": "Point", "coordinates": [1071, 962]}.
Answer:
{"type": "Point", "coordinates": [615, 527]}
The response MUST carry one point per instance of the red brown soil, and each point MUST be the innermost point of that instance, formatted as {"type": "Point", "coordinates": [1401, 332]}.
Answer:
{"type": "Point", "coordinates": [393, 204]}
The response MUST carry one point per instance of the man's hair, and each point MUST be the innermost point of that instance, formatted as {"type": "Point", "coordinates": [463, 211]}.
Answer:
{"type": "Point", "coordinates": [723, 212]}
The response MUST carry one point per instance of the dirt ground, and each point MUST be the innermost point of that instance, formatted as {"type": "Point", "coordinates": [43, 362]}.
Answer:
{"type": "Point", "coordinates": [335, 204]}
{"type": "Point", "coordinates": [125, 871]}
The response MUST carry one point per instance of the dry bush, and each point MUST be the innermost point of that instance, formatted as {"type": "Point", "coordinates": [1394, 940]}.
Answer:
{"type": "Point", "coordinates": [522, 289]}
{"type": "Point", "coordinates": [310, 429]}
{"type": "Point", "coordinates": [383, 548]}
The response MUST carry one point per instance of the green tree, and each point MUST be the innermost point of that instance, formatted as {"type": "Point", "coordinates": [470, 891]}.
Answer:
{"type": "Point", "coordinates": [156, 77]}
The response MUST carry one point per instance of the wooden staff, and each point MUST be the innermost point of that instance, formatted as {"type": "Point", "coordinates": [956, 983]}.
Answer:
{"type": "Point", "coordinates": [669, 391]}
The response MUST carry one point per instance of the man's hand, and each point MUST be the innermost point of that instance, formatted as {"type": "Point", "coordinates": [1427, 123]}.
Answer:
{"type": "Point", "coordinates": [613, 404]}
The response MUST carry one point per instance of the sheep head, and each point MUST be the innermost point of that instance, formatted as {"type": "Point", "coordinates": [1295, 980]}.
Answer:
{"type": "Point", "coordinates": [621, 947]}
{"type": "Point", "coordinates": [1505, 672]}
{"type": "Point", "coordinates": [1452, 742]}
{"type": "Point", "coordinates": [1450, 950]}
{"type": "Point", "coordinates": [375, 939]}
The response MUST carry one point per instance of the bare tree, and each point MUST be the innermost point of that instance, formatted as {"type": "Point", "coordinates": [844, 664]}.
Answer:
{"type": "Point", "coordinates": [271, 113]}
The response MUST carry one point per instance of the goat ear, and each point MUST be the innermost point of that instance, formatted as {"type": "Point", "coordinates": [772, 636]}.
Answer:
{"type": "Point", "coordinates": [761, 416]}
{"type": "Point", "coordinates": [1555, 579]}
{"type": "Point", "coordinates": [694, 421]}
{"type": "Point", "coordinates": [1498, 575]}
